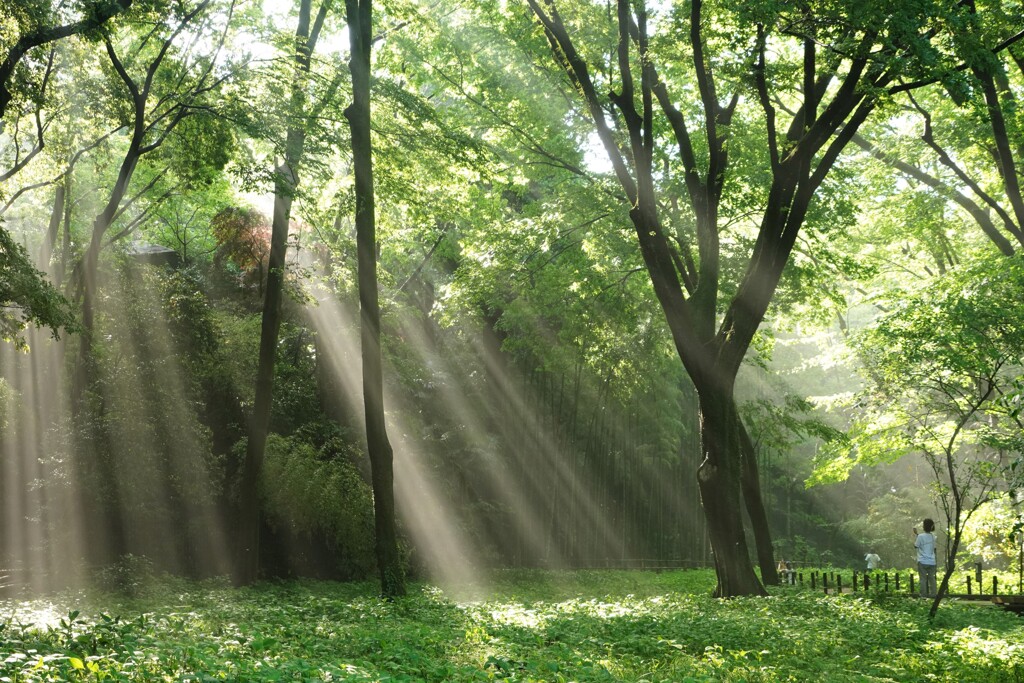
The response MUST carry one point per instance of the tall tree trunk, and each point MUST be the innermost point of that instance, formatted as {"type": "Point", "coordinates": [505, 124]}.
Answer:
{"type": "Point", "coordinates": [89, 416]}
{"type": "Point", "coordinates": [248, 538]}
{"type": "Point", "coordinates": [750, 481]}
{"type": "Point", "coordinates": [688, 288]}
{"type": "Point", "coordinates": [392, 579]}
{"type": "Point", "coordinates": [86, 372]}
{"type": "Point", "coordinates": [286, 181]}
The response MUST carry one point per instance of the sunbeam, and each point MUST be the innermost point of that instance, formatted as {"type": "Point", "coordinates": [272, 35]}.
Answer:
{"type": "Point", "coordinates": [42, 541]}
{"type": "Point", "coordinates": [422, 507]}
{"type": "Point", "coordinates": [159, 448]}
{"type": "Point", "coordinates": [120, 476]}
{"type": "Point", "coordinates": [544, 495]}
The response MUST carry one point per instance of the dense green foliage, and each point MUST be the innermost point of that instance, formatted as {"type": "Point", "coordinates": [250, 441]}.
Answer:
{"type": "Point", "coordinates": [26, 298]}
{"type": "Point", "coordinates": [529, 626]}
{"type": "Point", "coordinates": [952, 354]}
{"type": "Point", "coordinates": [533, 389]}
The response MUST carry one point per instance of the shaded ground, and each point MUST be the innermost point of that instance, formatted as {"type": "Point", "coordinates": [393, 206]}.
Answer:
{"type": "Point", "coordinates": [531, 626]}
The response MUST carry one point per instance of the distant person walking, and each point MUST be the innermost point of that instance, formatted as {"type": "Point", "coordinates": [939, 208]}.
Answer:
{"type": "Point", "coordinates": [873, 560]}
{"type": "Point", "coordinates": [925, 544]}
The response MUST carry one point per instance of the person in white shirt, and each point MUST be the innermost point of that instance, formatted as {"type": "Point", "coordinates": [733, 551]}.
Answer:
{"type": "Point", "coordinates": [873, 560]}
{"type": "Point", "coordinates": [925, 544]}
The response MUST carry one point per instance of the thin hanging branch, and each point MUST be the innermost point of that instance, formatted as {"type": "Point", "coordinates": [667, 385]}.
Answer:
{"type": "Point", "coordinates": [928, 137]}
{"type": "Point", "coordinates": [980, 216]}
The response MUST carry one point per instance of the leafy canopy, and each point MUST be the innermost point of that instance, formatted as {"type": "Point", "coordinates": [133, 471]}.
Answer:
{"type": "Point", "coordinates": [26, 297]}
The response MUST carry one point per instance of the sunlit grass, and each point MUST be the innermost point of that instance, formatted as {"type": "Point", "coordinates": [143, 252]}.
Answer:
{"type": "Point", "coordinates": [534, 626]}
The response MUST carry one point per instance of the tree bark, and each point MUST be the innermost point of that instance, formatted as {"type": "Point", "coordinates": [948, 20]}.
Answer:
{"type": "Point", "coordinates": [285, 184]}
{"type": "Point", "coordinates": [1002, 149]}
{"type": "Point", "coordinates": [392, 579]}
{"type": "Point", "coordinates": [61, 268]}
{"type": "Point", "coordinates": [719, 480]}
{"type": "Point", "coordinates": [56, 216]}
{"type": "Point", "coordinates": [85, 373]}
{"type": "Point", "coordinates": [950, 567]}
{"type": "Point", "coordinates": [247, 569]}
{"type": "Point", "coordinates": [99, 14]}
{"type": "Point", "coordinates": [750, 482]}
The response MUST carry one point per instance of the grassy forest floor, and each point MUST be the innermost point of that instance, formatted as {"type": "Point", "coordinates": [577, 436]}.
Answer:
{"type": "Point", "coordinates": [526, 626]}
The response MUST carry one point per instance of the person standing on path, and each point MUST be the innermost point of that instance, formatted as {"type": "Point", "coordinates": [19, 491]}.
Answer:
{"type": "Point", "coordinates": [873, 560]}
{"type": "Point", "coordinates": [925, 544]}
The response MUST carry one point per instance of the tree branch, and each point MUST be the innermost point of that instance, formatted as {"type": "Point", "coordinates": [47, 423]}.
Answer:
{"type": "Point", "coordinates": [98, 14]}
{"type": "Point", "coordinates": [565, 53]}
{"type": "Point", "coordinates": [979, 215]}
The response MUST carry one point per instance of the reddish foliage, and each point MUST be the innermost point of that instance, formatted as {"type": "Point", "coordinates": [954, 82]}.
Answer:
{"type": "Point", "coordinates": [243, 238]}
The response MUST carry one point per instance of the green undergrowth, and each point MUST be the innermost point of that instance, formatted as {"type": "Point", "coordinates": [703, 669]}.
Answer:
{"type": "Point", "coordinates": [523, 626]}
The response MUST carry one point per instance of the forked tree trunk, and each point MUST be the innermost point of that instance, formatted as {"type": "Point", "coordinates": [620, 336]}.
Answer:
{"type": "Point", "coordinates": [719, 480]}
{"type": "Point", "coordinates": [85, 373]}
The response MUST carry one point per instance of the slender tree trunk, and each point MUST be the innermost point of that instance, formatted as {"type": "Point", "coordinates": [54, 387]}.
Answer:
{"type": "Point", "coordinates": [65, 242]}
{"type": "Point", "coordinates": [85, 373]}
{"type": "Point", "coordinates": [940, 593]}
{"type": "Point", "coordinates": [286, 181]}
{"type": "Point", "coordinates": [96, 461]}
{"type": "Point", "coordinates": [360, 18]}
{"type": "Point", "coordinates": [751, 484]}
{"type": "Point", "coordinates": [85, 414]}
{"type": "Point", "coordinates": [1002, 148]}
{"type": "Point", "coordinates": [572, 443]}
{"type": "Point", "coordinates": [248, 537]}
{"type": "Point", "coordinates": [56, 216]}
